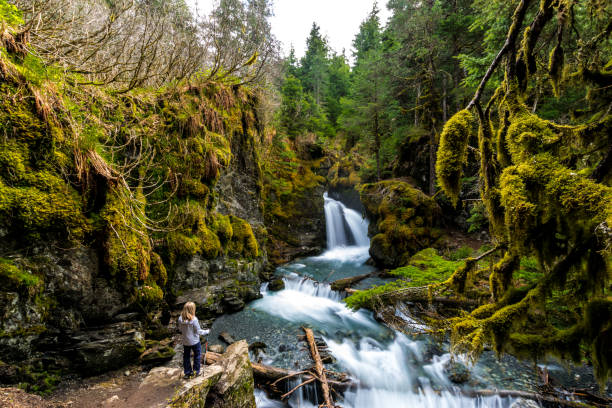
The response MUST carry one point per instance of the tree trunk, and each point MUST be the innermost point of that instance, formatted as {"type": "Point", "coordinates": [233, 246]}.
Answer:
{"type": "Point", "coordinates": [432, 162]}
{"type": "Point", "coordinates": [314, 351]}
{"type": "Point", "coordinates": [342, 284]}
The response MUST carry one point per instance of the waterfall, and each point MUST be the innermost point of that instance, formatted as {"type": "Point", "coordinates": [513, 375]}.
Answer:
{"type": "Point", "coordinates": [345, 227]}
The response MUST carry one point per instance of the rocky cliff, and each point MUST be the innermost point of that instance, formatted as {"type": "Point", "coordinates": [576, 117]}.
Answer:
{"type": "Point", "coordinates": [115, 209]}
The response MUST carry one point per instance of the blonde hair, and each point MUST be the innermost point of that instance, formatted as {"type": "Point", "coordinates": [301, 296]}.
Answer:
{"type": "Point", "coordinates": [188, 312]}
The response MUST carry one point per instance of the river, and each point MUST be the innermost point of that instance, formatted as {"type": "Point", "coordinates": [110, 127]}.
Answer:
{"type": "Point", "coordinates": [392, 369]}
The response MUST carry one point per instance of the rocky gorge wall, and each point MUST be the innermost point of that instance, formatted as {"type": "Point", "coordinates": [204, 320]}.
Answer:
{"type": "Point", "coordinates": [114, 210]}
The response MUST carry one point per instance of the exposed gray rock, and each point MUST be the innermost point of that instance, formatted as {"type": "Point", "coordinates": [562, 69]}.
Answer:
{"type": "Point", "coordinates": [106, 348]}
{"type": "Point", "coordinates": [220, 285]}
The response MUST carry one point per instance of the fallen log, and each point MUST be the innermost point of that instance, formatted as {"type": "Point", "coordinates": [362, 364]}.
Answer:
{"type": "Point", "coordinates": [342, 284]}
{"type": "Point", "coordinates": [327, 398]}
{"type": "Point", "coordinates": [265, 374]}
{"type": "Point", "coordinates": [420, 294]}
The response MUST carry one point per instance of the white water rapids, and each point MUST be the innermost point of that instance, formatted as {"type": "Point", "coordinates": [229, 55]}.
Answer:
{"type": "Point", "coordinates": [391, 374]}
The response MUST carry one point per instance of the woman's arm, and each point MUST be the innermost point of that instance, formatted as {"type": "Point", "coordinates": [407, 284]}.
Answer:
{"type": "Point", "coordinates": [201, 332]}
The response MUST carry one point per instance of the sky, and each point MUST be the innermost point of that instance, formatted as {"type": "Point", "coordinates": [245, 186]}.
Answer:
{"type": "Point", "coordinates": [339, 20]}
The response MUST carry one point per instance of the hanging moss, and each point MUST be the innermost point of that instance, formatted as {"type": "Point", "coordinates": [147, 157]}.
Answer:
{"type": "Point", "coordinates": [243, 242]}
{"type": "Point", "coordinates": [223, 227]}
{"type": "Point", "coordinates": [501, 276]}
{"type": "Point", "coordinates": [555, 66]}
{"type": "Point", "coordinates": [127, 246]}
{"type": "Point", "coordinates": [452, 153]}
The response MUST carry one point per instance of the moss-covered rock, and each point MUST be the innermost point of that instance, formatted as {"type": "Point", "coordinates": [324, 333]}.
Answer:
{"type": "Point", "coordinates": [403, 220]}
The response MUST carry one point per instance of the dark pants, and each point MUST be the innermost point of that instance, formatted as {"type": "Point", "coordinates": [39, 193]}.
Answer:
{"type": "Point", "coordinates": [197, 355]}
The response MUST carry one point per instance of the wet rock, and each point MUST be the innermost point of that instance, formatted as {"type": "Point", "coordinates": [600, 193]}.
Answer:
{"type": "Point", "coordinates": [282, 348]}
{"type": "Point", "coordinates": [276, 284]}
{"type": "Point", "coordinates": [258, 345]}
{"type": "Point", "coordinates": [216, 348]}
{"type": "Point", "coordinates": [525, 403]}
{"type": "Point", "coordinates": [226, 337]}
{"type": "Point", "coordinates": [106, 348]}
{"type": "Point", "coordinates": [456, 372]}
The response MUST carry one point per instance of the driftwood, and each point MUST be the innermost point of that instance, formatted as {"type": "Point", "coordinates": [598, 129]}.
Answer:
{"type": "Point", "coordinates": [267, 375]}
{"type": "Point", "coordinates": [342, 284]}
{"type": "Point", "coordinates": [314, 351]}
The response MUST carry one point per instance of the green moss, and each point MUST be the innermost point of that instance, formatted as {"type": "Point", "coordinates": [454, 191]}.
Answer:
{"type": "Point", "coordinates": [223, 227]}
{"type": "Point", "coordinates": [158, 270]}
{"type": "Point", "coordinates": [424, 268]}
{"type": "Point", "coordinates": [210, 246]}
{"type": "Point", "coordinates": [14, 277]}
{"type": "Point", "coordinates": [127, 246]}
{"type": "Point", "coordinates": [405, 220]}
{"type": "Point", "coordinates": [180, 245]}
{"type": "Point", "coordinates": [149, 294]}
{"type": "Point", "coordinates": [427, 267]}
{"type": "Point", "coordinates": [243, 240]}
{"type": "Point", "coordinates": [452, 153]}
{"type": "Point", "coordinates": [10, 14]}
{"type": "Point", "coordinates": [53, 208]}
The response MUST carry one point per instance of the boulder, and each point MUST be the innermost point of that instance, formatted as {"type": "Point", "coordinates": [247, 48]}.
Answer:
{"type": "Point", "coordinates": [216, 348]}
{"type": "Point", "coordinates": [276, 284]}
{"type": "Point", "coordinates": [456, 372]}
{"type": "Point", "coordinates": [235, 388]}
{"type": "Point", "coordinates": [106, 348]}
{"type": "Point", "coordinates": [217, 286]}
{"type": "Point", "coordinates": [403, 221]}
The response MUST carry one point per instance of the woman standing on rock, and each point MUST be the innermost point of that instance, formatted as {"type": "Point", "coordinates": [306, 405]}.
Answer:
{"type": "Point", "coordinates": [191, 332]}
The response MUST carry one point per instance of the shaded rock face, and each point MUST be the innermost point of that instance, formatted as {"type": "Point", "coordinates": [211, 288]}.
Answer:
{"type": "Point", "coordinates": [301, 234]}
{"type": "Point", "coordinates": [349, 196]}
{"type": "Point", "coordinates": [106, 348]}
{"type": "Point", "coordinates": [217, 286]}
{"type": "Point", "coordinates": [239, 186]}
{"type": "Point", "coordinates": [48, 324]}
{"type": "Point", "coordinates": [403, 221]}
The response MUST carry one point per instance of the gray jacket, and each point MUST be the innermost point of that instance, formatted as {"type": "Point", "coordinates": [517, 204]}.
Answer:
{"type": "Point", "coordinates": [191, 331]}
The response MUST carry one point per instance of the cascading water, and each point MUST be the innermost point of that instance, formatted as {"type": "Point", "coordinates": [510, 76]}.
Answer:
{"type": "Point", "coordinates": [347, 233]}
{"type": "Point", "coordinates": [392, 370]}
{"type": "Point", "coordinates": [344, 226]}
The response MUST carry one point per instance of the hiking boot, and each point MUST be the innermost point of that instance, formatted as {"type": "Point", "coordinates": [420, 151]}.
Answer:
{"type": "Point", "coordinates": [188, 376]}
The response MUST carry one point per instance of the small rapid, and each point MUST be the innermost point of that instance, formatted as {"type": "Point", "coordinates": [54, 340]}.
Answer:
{"type": "Point", "coordinates": [391, 370]}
